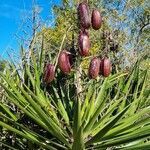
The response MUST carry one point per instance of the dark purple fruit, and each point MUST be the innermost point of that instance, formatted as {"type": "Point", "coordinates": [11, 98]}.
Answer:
{"type": "Point", "coordinates": [64, 62]}
{"type": "Point", "coordinates": [84, 44]}
{"type": "Point", "coordinates": [94, 68]}
{"type": "Point", "coordinates": [96, 19]}
{"type": "Point", "coordinates": [49, 73]}
{"type": "Point", "coordinates": [84, 15]}
{"type": "Point", "coordinates": [105, 67]}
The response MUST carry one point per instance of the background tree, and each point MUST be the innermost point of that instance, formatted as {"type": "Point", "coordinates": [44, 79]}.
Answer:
{"type": "Point", "coordinates": [127, 22]}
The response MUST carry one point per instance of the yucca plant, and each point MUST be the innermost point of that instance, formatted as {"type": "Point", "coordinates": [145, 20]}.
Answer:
{"type": "Point", "coordinates": [105, 113]}
{"type": "Point", "coordinates": [70, 111]}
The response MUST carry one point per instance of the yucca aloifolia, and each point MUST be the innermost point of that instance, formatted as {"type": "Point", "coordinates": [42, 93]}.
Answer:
{"type": "Point", "coordinates": [49, 73]}
{"type": "Point", "coordinates": [96, 19]}
{"type": "Point", "coordinates": [105, 67]}
{"type": "Point", "coordinates": [94, 68]}
{"type": "Point", "coordinates": [84, 43]}
{"type": "Point", "coordinates": [84, 15]}
{"type": "Point", "coordinates": [64, 61]}
{"type": "Point", "coordinates": [109, 114]}
{"type": "Point", "coordinates": [77, 114]}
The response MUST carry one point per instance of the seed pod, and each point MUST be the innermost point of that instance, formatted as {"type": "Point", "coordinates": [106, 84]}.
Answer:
{"type": "Point", "coordinates": [84, 44]}
{"type": "Point", "coordinates": [94, 68]}
{"type": "Point", "coordinates": [96, 19]}
{"type": "Point", "coordinates": [64, 62]}
{"type": "Point", "coordinates": [105, 67]}
{"type": "Point", "coordinates": [83, 13]}
{"type": "Point", "coordinates": [49, 73]}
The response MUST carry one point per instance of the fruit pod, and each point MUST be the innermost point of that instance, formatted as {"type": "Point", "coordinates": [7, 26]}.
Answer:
{"type": "Point", "coordinates": [105, 67]}
{"type": "Point", "coordinates": [84, 44]}
{"type": "Point", "coordinates": [64, 62]}
{"type": "Point", "coordinates": [84, 15]}
{"type": "Point", "coordinates": [49, 73]}
{"type": "Point", "coordinates": [94, 68]}
{"type": "Point", "coordinates": [96, 19]}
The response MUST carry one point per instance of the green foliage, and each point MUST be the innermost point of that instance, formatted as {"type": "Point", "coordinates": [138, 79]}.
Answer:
{"type": "Point", "coordinates": [108, 115]}
{"type": "Point", "coordinates": [2, 65]}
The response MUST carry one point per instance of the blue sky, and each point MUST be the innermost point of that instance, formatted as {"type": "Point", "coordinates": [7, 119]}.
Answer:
{"type": "Point", "coordinates": [12, 14]}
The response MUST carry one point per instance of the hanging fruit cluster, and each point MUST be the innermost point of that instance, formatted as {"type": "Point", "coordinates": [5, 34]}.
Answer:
{"type": "Point", "coordinates": [97, 66]}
